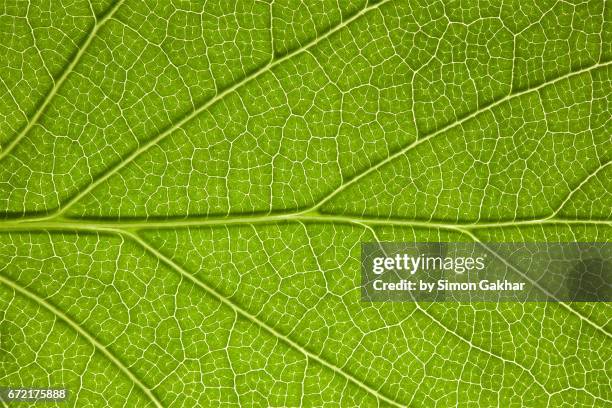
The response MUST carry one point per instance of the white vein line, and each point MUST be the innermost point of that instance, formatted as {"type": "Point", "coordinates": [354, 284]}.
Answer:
{"type": "Point", "coordinates": [254, 75]}
{"type": "Point", "coordinates": [577, 188]}
{"type": "Point", "coordinates": [535, 284]}
{"type": "Point", "coordinates": [255, 320]}
{"type": "Point", "coordinates": [97, 345]}
{"type": "Point", "coordinates": [444, 129]}
{"type": "Point", "coordinates": [57, 85]}
{"type": "Point", "coordinates": [272, 52]}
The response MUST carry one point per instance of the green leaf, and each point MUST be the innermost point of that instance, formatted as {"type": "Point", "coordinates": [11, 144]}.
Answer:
{"type": "Point", "coordinates": [184, 188]}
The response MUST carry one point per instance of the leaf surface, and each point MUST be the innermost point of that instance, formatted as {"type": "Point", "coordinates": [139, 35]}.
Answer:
{"type": "Point", "coordinates": [184, 188]}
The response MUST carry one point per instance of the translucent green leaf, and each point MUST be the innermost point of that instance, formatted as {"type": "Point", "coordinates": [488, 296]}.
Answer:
{"type": "Point", "coordinates": [184, 188]}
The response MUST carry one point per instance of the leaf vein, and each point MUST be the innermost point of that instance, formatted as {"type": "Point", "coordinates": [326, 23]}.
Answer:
{"type": "Point", "coordinates": [255, 320]}
{"type": "Point", "coordinates": [108, 15]}
{"type": "Point", "coordinates": [202, 108]}
{"type": "Point", "coordinates": [444, 129]}
{"type": "Point", "coordinates": [83, 333]}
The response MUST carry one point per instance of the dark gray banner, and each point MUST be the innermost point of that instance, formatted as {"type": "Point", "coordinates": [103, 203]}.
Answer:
{"type": "Point", "coordinates": [486, 272]}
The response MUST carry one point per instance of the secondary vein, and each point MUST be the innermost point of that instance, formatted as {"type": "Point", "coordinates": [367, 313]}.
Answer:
{"type": "Point", "coordinates": [60, 81]}
{"type": "Point", "coordinates": [83, 333]}
{"type": "Point", "coordinates": [255, 320]}
{"type": "Point", "coordinates": [194, 113]}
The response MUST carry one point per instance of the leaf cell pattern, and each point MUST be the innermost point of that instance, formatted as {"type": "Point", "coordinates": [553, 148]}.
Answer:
{"type": "Point", "coordinates": [184, 187]}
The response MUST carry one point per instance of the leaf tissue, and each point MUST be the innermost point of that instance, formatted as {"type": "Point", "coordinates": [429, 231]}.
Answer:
{"type": "Point", "coordinates": [185, 187]}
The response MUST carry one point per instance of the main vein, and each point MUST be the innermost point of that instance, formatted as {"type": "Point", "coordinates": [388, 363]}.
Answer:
{"type": "Point", "coordinates": [76, 224]}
